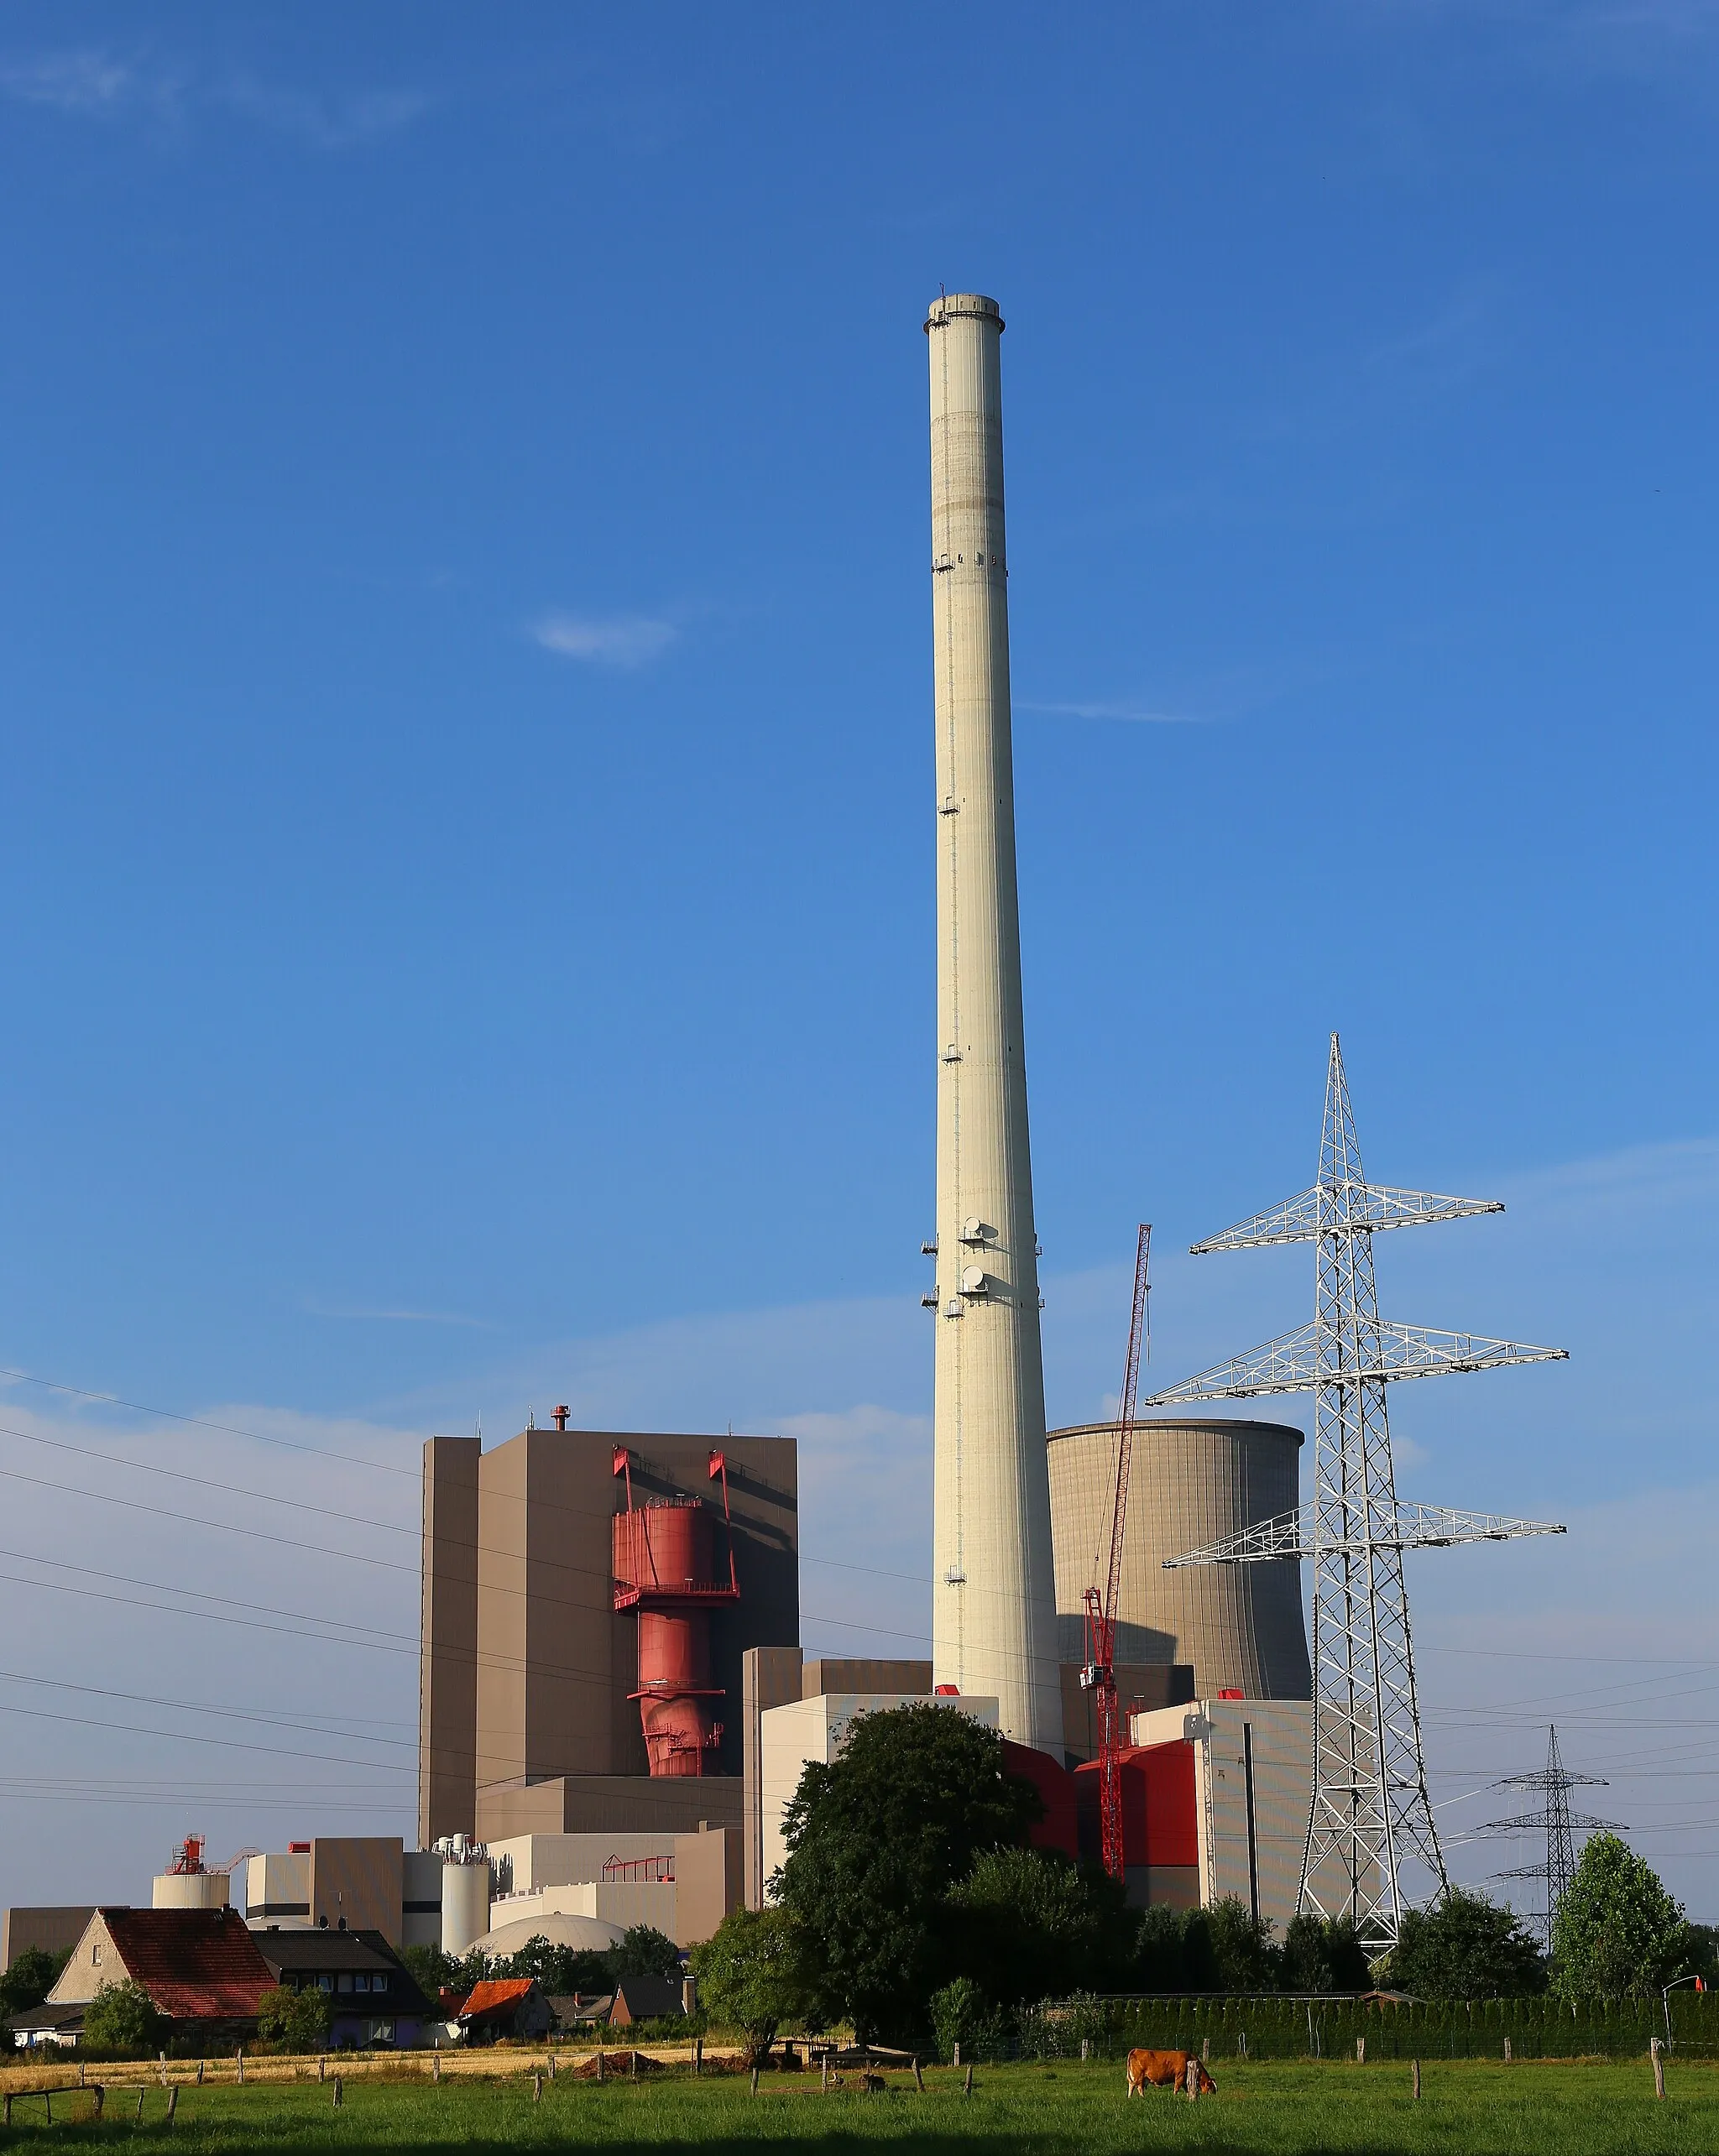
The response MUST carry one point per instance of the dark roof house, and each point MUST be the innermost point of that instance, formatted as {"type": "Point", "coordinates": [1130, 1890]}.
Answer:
{"type": "Point", "coordinates": [645, 1998]}
{"type": "Point", "coordinates": [374, 1997]}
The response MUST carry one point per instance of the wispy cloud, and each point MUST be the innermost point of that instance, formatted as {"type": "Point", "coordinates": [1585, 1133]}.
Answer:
{"type": "Point", "coordinates": [98, 83]}
{"type": "Point", "coordinates": [369, 1313]}
{"type": "Point", "coordinates": [325, 122]}
{"type": "Point", "coordinates": [87, 79]}
{"type": "Point", "coordinates": [609, 640]}
{"type": "Point", "coordinates": [1133, 713]}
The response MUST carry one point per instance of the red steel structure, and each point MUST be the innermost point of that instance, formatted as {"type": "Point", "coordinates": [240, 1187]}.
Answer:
{"type": "Point", "coordinates": [664, 1567]}
{"type": "Point", "coordinates": [1099, 1675]}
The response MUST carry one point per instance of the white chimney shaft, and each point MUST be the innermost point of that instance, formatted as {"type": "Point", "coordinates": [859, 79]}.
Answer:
{"type": "Point", "coordinates": [993, 1593]}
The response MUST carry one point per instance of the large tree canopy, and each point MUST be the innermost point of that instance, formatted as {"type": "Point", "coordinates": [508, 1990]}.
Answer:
{"type": "Point", "coordinates": [1027, 1924]}
{"type": "Point", "coordinates": [1466, 1947]}
{"type": "Point", "coordinates": [1617, 1931]}
{"type": "Point", "coordinates": [877, 1839]}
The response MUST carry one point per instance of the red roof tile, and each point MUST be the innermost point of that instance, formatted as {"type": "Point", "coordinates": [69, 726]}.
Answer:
{"type": "Point", "coordinates": [196, 1964]}
{"type": "Point", "coordinates": [494, 1993]}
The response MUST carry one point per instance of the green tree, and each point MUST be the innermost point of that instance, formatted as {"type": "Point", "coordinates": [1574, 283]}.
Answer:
{"type": "Point", "coordinates": [296, 2021]}
{"type": "Point", "coordinates": [1242, 1947]}
{"type": "Point", "coordinates": [1324, 1955]}
{"type": "Point", "coordinates": [754, 1977]}
{"type": "Point", "coordinates": [1618, 1933]}
{"type": "Point", "coordinates": [1464, 1947]}
{"type": "Point", "coordinates": [1160, 1960]}
{"type": "Point", "coordinates": [643, 1952]}
{"type": "Point", "coordinates": [33, 1974]}
{"type": "Point", "coordinates": [562, 1970]}
{"type": "Point", "coordinates": [1029, 1925]}
{"type": "Point", "coordinates": [877, 1840]}
{"type": "Point", "coordinates": [122, 2022]}
{"type": "Point", "coordinates": [432, 1970]}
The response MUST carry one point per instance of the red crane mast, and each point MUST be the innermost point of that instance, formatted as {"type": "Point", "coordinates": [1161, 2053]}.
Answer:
{"type": "Point", "coordinates": [1099, 1675]}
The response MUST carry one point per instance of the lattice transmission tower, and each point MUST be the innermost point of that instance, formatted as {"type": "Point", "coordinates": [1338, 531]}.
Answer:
{"type": "Point", "coordinates": [1370, 1813]}
{"type": "Point", "coordinates": [1559, 1825]}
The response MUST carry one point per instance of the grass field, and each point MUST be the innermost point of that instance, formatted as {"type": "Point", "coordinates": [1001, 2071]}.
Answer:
{"type": "Point", "coordinates": [1469, 2109]}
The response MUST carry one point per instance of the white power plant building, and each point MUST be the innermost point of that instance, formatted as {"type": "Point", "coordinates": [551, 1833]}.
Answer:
{"type": "Point", "coordinates": [993, 1587]}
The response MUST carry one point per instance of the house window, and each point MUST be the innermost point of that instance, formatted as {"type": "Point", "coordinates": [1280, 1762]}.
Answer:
{"type": "Point", "coordinates": [343, 1982]}
{"type": "Point", "coordinates": [324, 1983]}
{"type": "Point", "coordinates": [379, 1983]}
{"type": "Point", "coordinates": [96, 1955]}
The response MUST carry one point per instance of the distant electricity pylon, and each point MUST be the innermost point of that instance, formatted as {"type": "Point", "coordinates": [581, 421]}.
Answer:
{"type": "Point", "coordinates": [1370, 1811]}
{"type": "Point", "coordinates": [1559, 1825]}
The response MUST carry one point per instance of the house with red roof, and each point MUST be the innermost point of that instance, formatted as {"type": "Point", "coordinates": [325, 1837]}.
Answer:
{"type": "Point", "coordinates": [506, 2006]}
{"type": "Point", "coordinates": [200, 1967]}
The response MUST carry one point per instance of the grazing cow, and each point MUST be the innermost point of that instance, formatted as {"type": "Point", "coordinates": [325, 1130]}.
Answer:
{"type": "Point", "coordinates": [1166, 2070]}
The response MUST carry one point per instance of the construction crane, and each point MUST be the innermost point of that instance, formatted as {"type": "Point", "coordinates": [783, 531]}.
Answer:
{"type": "Point", "coordinates": [1098, 1677]}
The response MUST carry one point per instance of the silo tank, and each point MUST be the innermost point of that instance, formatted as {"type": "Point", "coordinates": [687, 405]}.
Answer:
{"type": "Point", "coordinates": [1194, 1481]}
{"type": "Point", "coordinates": [465, 1905]}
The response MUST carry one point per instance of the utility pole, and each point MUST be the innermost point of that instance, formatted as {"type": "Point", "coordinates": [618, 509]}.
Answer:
{"type": "Point", "coordinates": [1369, 1814]}
{"type": "Point", "coordinates": [1559, 1825]}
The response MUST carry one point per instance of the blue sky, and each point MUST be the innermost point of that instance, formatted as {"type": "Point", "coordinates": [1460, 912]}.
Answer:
{"type": "Point", "coordinates": [465, 883]}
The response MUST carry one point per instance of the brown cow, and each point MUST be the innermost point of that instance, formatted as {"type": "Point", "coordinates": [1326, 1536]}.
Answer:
{"type": "Point", "coordinates": [1166, 2070]}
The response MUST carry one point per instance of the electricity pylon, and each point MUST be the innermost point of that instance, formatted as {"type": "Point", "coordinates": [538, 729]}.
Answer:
{"type": "Point", "coordinates": [1560, 1824]}
{"type": "Point", "coordinates": [1370, 1811]}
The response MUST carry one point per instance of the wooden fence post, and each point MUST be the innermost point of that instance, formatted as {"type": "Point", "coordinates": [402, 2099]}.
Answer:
{"type": "Point", "coordinates": [1242, 2044]}
{"type": "Point", "coordinates": [697, 2054]}
{"type": "Point", "coordinates": [339, 2093]}
{"type": "Point", "coordinates": [48, 2097]}
{"type": "Point", "coordinates": [241, 2066]}
{"type": "Point", "coordinates": [1507, 2051]}
{"type": "Point", "coordinates": [7, 2120]}
{"type": "Point", "coordinates": [1205, 2050]}
{"type": "Point", "coordinates": [322, 2067]}
{"type": "Point", "coordinates": [967, 2086]}
{"type": "Point", "coordinates": [1361, 2051]}
{"type": "Point", "coordinates": [599, 2057]}
{"type": "Point", "coordinates": [918, 2078]}
{"type": "Point", "coordinates": [172, 2102]}
{"type": "Point", "coordinates": [140, 2106]}
{"type": "Point", "coordinates": [199, 2073]}
{"type": "Point", "coordinates": [101, 2098]}
{"type": "Point", "coordinates": [1193, 2081]}
{"type": "Point", "coordinates": [1417, 2081]}
{"type": "Point", "coordinates": [537, 2088]}
{"type": "Point", "coordinates": [436, 2063]}
{"type": "Point", "coordinates": [955, 2059]}
{"type": "Point", "coordinates": [754, 2081]}
{"type": "Point", "coordinates": [633, 2063]}
{"type": "Point", "coordinates": [1659, 2058]}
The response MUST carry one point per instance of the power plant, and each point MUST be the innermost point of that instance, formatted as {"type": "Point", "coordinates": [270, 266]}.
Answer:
{"type": "Point", "coordinates": [615, 1707]}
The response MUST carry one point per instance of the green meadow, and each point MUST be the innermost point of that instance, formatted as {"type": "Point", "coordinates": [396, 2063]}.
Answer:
{"type": "Point", "coordinates": [1578, 2108]}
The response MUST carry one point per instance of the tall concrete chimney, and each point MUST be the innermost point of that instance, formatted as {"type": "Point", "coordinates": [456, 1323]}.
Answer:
{"type": "Point", "coordinates": [993, 1591]}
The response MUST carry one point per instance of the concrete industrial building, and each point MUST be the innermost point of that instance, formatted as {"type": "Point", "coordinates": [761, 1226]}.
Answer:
{"type": "Point", "coordinates": [536, 1715]}
{"type": "Point", "coordinates": [993, 1590]}
{"type": "Point", "coordinates": [1239, 1625]}
{"type": "Point", "coordinates": [1227, 1785]}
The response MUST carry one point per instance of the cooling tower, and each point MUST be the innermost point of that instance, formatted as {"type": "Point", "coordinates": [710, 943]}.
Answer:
{"type": "Point", "coordinates": [993, 1587]}
{"type": "Point", "coordinates": [1240, 1624]}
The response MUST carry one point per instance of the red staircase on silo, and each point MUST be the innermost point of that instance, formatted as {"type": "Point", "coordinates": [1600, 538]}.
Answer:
{"type": "Point", "coordinates": [665, 1568]}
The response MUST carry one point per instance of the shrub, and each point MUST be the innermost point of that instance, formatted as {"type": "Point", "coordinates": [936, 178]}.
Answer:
{"type": "Point", "coordinates": [294, 2021]}
{"type": "Point", "coordinates": [122, 2022]}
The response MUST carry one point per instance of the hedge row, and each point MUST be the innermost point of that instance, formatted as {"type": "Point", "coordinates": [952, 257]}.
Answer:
{"type": "Point", "coordinates": [1278, 2027]}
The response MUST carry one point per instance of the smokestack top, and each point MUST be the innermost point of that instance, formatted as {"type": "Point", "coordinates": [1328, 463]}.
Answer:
{"type": "Point", "coordinates": [948, 304]}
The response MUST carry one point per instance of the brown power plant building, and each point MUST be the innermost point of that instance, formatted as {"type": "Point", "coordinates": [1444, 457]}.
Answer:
{"type": "Point", "coordinates": [592, 1598]}
{"type": "Point", "coordinates": [588, 1597]}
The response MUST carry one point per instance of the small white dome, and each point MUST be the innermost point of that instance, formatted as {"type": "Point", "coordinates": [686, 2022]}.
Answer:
{"type": "Point", "coordinates": [580, 1933]}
